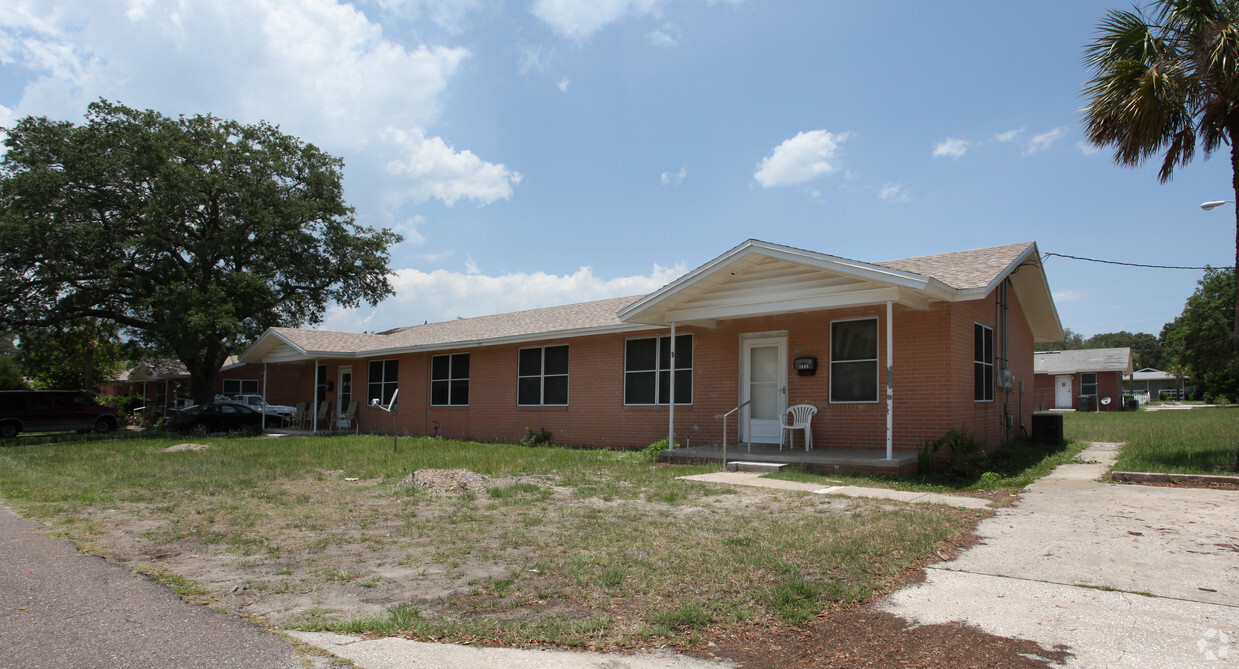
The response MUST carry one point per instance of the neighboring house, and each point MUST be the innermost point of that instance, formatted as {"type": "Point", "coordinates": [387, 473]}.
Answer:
{"type": "Point", "coordinates": [157, 381]}
{"type": "Point", "coordinates": [1148, 384]}
{"type": "Point", "coordinates": [1081, 379]}
{"type": "Point", "coordinates": [893, 354]}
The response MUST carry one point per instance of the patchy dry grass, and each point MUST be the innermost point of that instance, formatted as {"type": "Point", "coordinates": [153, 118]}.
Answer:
{"type": "Point", "coordinates": [567, 547]}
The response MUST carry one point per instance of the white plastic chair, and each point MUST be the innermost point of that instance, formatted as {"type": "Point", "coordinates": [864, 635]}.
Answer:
{"type": "Point", "coordinates": [348, 418]}
{"type": "Point", "coordinates": [802, 417]}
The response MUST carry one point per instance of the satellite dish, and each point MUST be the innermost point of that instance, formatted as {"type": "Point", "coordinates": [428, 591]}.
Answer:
{"type": "Point", "coordinates": [1105, 401]}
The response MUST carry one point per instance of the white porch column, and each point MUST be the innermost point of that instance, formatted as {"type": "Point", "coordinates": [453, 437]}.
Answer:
{"type": "Point", "coordinates": [314, 402]}
{"type": "Point", "coordinates": [671, 390]}
{"type": "Point", "coordinates": [890, 382]}
{"type": "Point", "coordinates": [264, 397]}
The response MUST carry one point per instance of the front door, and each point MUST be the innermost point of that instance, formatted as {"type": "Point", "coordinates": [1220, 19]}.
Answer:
{"type": "Point", "coordinates": [1062, 392]}
{"type": "Point", "coordinates": [345, 386]}
{"type": "Point", "coordinates": [763, 383]}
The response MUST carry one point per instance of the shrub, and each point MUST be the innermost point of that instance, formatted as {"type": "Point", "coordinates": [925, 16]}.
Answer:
{"type": "Point", "coordinates": [539, 438]}
{"type": "Point", "coordinates": [955, 453]}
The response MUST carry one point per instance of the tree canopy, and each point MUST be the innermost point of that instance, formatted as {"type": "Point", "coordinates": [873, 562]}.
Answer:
{"type": "Point", "coordinates": [1163, 79]}
{"type": "Point", "coordinates": [1198, 341]}
{"type": "Point", "coordinates": [195, 234]}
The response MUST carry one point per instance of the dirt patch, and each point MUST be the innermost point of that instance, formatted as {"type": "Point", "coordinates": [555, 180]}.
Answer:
{"type": "Point", "coordinates": [863, 637]}
{"type": "Point", "coordinates": [448, 481]}
{"type": "Point", "coordinates": [185, 447]}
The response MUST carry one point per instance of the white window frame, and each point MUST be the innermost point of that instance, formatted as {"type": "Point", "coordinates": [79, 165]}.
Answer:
{"type": "Point", "coordinates": [382, 382]}
{"type": "Point", "coordinates": [877, 346]}
{"type": "Point", "coordinates": [541, 376]}
{"type": "Point", "coordinates": [658, 370]}
{"type": "Point", "coordinates": [983, 364]}
{"type": "Point", "coordinates": [1085, 384]}
{"type": "Point", "coordinates": [449, 380]}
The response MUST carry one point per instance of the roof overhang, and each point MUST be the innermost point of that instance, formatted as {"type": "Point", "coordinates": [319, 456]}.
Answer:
{"type": "Point", "coordinates": [1029, 282]}
{"type": "Point", "coordinates": [759, 278]}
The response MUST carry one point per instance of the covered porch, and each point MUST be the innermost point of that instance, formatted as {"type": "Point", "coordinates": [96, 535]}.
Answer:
{"type": "Point", "coordinates": [822, 460]}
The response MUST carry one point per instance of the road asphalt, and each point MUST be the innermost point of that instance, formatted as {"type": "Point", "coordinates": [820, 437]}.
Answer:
{"type": "Point", "coordinates": [62, 609]}
{"type": "Point", "coordinates": [1117, 575]}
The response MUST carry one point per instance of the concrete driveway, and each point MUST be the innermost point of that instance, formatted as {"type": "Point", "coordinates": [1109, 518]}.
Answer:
{"type": "Point", "coordinates": [1117, 575]}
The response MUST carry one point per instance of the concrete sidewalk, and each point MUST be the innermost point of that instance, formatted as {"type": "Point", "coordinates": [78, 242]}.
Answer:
{"type": "Point", "coordinates": [755, 480]}
{"type": "Point", "coordinates": [1118, 575]}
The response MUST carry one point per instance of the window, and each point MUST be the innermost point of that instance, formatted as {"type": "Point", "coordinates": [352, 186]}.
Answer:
{"type": "Point", "coordinates": [240, 386]}
{"type": "Point", "coordinates": [982, 363]}
{"type": "Point", "coordinates": [449, 380]}
{"type": "Point", "coordinates": [1088, 384]}
{"type": "Point", "coordinates": [542, 376]}
{"type": "Point", "coordinates": [647, 370]}
{"type": "Point", "coordinates": [320, 383]}
{"type": "Point", "coordinates": [381, 381]}
{"type": "Point", "coordinates": [854, 361]}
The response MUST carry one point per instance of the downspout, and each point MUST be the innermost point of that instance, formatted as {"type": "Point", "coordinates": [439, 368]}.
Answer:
{"type": "Point", "coordinates": [890, 382]}
{"type": "Point", "coordinates": [671, 399]}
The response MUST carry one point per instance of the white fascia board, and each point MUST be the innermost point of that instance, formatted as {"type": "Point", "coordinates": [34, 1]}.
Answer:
{"type": "Point", "coordinates": [262, 348]}
{"type": "Point", "coordinates": [932, 288]}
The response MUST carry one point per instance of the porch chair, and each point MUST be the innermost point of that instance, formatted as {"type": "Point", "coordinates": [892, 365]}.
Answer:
{"type": "Point", "coordinates": [802, 417]}
{"type": "Point", "coordinates": [298, 417]}
{"type": "Point", "coordinates": [349, 418]}
{"type": "Point", "coordinates": [320, 423]}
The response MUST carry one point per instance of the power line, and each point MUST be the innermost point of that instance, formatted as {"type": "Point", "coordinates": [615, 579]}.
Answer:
{"type": "Point", "coordinates": [1126, 264]}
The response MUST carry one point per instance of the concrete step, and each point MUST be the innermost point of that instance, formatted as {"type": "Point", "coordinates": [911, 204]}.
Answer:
{"type": "Point", "coordinates": [741, 466]}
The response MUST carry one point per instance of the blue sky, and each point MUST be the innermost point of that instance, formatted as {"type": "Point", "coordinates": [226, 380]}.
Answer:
{"type": "Point", "coordinates": [542, 152]}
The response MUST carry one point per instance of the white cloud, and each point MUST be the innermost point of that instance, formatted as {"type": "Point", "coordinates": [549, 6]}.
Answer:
{"type": "Point", "coordinates": [1088, 148]}
{"type": "Point", "coordinates": [674, 178]}
{"type": "Point", "coordinates": [667, 35]}
{"type": "Point", "coordinates": [563, 85]}
{"type": "Point", "coordinates": [578, 19]}
{"type": "Point", "coordinates": [427, 167]}
{"type": "Point", "coordinates": [1038, 143]}
{"type": "Point", "coordinates": [443, 295]}
{"type": "Point", "coordinates": [893, 193]}
{"type": "Point", "coordinates": [1009, 136]}
{"type": "Point", "coordinates": [802, 158]}
{"type": "Point", "coordinates": [1069, 295]}
{"type": "Point", "coordinates": [951, 147]}
{"type": "Point", "coordinates": [451, 15]}
{"type": "Point", "coordinates": [319, 69]}
{"type": "Point", "coordinates": [534, 58]}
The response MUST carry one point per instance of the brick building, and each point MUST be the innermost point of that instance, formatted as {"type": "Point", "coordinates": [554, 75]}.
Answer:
{"type": "Point", "coordinates": [892, 354]}
{"type": "Point", "coordinates": [1082, 379]}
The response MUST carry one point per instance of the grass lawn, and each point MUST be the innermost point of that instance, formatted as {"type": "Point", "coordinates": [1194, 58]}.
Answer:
{"type": "Point", "coordinates": [1193, 441]}
{"type": "Point", "coordinates": [577, 548]}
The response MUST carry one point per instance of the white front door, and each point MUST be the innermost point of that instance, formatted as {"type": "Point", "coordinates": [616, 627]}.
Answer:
{"type": "Point", "coordinates": [1062, 392]}
{"type": "Point", "coordinates": [344, 388]}
{"type": "Point", "coordinates": [763, 371]}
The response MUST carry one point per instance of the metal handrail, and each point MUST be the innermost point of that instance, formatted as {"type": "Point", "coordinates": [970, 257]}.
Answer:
{"type": "Point", "coordinates": [724, 417]}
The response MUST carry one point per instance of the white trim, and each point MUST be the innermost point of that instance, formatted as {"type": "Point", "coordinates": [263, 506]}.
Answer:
{"type": "Point", "coordinates": [830, 365]}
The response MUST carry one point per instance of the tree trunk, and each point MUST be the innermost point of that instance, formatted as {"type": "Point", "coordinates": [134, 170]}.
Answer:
{"type": "Point", "coordinates": [1233, 132]}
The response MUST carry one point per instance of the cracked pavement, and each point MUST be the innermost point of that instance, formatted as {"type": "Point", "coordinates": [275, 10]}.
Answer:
{"type": "Point", "coordinates": [1117, 575]}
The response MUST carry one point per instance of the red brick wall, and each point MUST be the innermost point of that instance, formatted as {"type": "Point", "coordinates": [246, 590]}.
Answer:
{"type": "Point", "coordinates": [933, 379]}
{"type": "Point", "coordinates": [1109, 384]}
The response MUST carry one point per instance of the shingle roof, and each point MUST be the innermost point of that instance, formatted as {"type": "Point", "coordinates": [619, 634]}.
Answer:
{"type": "Point", "coordinates": [964, 270]}
{"type": "Point", "coordinates": [961, 270]}
{"type": "Point", "coordinates": [1083, 360]}
{"type": "Point", "coordinates": [529, 323]}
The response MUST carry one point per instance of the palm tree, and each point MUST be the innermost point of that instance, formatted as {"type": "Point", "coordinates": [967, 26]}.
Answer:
{"type": "Point", "coordinates": [1164, 78]}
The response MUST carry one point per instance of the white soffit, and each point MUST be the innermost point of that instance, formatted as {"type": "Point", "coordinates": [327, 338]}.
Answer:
{"type": "Point", "coordinates": [758, 278]}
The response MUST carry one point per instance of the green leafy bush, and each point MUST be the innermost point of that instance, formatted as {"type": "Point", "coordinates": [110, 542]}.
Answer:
{"type": "Point", "coordinates": [539, 438]}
